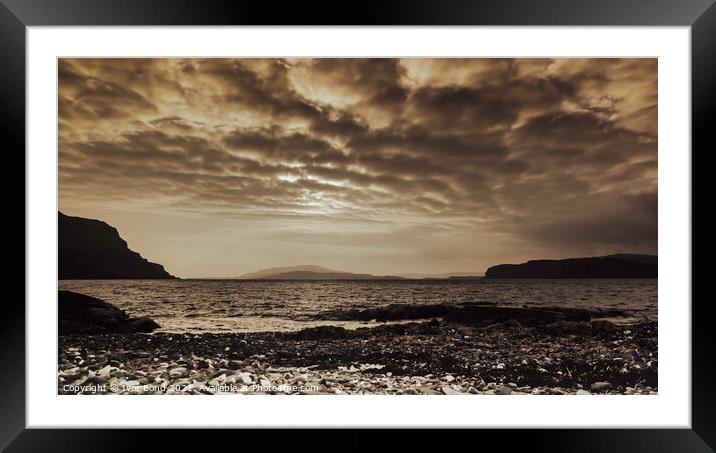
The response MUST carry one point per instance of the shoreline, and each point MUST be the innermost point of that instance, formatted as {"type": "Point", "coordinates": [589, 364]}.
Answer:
{"type": "Point", "coordinates": [434, 357]}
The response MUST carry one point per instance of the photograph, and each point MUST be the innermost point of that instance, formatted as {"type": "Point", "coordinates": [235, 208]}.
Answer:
{"type": "Point", "coordinates": [357, 226]}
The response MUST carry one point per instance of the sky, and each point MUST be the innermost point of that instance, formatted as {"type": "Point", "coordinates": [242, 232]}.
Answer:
{"type": "Point", "coordinates": [219, 167]}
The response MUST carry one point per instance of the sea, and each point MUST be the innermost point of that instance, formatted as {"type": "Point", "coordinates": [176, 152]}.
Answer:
{"type": "Point", "coordinates": [196, 305]}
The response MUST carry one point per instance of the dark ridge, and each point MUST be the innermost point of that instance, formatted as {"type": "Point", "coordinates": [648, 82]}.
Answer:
{"type": "Point", "coordinates": [309, 275]}
{"type": "Point", "coordinates": [473, 313]}
{"type": "Point", "coordinates": [91, 249]}
{"type": "Point", "coordinates": [612, 266]}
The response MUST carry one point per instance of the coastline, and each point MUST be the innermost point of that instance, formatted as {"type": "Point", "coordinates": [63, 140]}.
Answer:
{"type": "Point", "coordinates": [435, 357]}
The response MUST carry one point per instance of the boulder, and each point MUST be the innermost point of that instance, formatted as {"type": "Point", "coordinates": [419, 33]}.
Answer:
{"type": "Point", "coordinates": [143, 324]}
{"type": "Point", "coordinates": [85, 315]}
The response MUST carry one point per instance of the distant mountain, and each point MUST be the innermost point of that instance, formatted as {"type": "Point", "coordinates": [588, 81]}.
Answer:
{"type": "Point", "coordinates": [442, 275]}
{"type": "Point", "coordinates": [285, 269]}
{"type": "Point", "coordinates": [310, 272]}
{"type": "Point", "coordinates": [92, 249]}
{"type": "Point", "coordinates": [610, 266]}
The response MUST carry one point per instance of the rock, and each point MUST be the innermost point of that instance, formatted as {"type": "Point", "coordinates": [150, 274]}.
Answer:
{"type": "Point", "coordinates": [142, 325]}
{"type": "Point", "coordinates": [450, 391]}
{"type": "Point", "coordinates": [245, 378]}
{"type": "Point", "coordinates": [476, 313]}
{"type": "Point", "coordinates": [201, 364]}
{"type": "Point", "coordinates": [178, 372]}
{"type": "Point", "coordinates": [512, 323]}
{"type": "Point", "coordinates": [481, 315]}
{"type": "Point", "coordinates": [583, 392]}
{"type": "Point", "coordinates": [235, 364]}
{"type": "Point", "coordinates": [301, 379]}
{"type": "Point", "coordinates": [449, 378]}
{"type": "Point", "coordinates": [603, 325]}
{"type": "Point", "coordinates": [104, 372]}
{"type": "Point", "coordinates": [567, 328]}
{"type": "Point", "coordinates": [392, 312]}
{"type": "Point", "coordinates": [601, 387]}
{"type": "Point", "coordinates": [319, 333]}
{"type": "Point", "coordinates": [91, 249]}
{"type": "Point", "coordinates": [131, 383]}
{"type": "Point", "coordinates": [503, 390]}
{"type": "Point", "coordinates": [86, 315]}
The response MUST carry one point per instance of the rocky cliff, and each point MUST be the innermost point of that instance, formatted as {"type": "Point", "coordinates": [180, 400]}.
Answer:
{"type": "Point", "coordinates": [91, 249]}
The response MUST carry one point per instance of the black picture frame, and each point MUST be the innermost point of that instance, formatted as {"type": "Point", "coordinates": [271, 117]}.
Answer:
{"type": "Point", "coordinates": [16, 15]}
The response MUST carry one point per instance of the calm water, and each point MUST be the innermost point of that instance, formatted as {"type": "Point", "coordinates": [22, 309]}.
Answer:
{"type": "Point", "coordinates": [254, 305]}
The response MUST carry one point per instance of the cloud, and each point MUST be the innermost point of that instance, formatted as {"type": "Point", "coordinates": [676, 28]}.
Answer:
{"type": "Point", "coordinates": [555, 154]}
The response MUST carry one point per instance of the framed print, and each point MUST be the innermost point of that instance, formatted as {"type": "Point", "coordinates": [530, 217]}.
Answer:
{"type": "Point", "coordinates": [473, 215]}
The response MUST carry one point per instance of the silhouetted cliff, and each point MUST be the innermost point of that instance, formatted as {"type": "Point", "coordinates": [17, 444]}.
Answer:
{"type": "Point", "coordinates": [612, 266]}
{"type": "Point", "coordinates": [91, 249]}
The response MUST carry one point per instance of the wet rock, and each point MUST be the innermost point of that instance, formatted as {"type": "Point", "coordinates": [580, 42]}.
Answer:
{"type": "Point", "coordinates": [319, 333]}
{"type": "Point", "coordinates": [602, 325]}
{"type": "Point", "coordinates": [81, 314]}
{"type": "Point", "coordinates": [393, 312]}
{"type": "Point", "coordinates": [143, 324]}
{"type": "Point", "coordinates": [513, 324]}
{"type": "Point", "coordinates": [487, 315]}
{"type": "Point", "coordinates": [566, 328]}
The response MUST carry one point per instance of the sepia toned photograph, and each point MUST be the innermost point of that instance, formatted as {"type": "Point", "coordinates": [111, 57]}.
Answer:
{"type": "Point", "coordinates": [335, 226]}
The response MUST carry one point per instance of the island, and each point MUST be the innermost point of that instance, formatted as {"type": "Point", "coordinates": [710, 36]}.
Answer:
{"type": "Point", "coordinates": [311, 272]}
{"type": "Point", "coordinates": [610, 266]}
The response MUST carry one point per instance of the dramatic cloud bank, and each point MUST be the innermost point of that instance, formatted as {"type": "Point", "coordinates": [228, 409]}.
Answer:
{"type": "Point", "coordinates": [221, 166]}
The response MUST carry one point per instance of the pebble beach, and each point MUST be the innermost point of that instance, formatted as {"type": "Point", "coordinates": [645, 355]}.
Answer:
{"type": "Point", "coordinates": [420, 358]}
